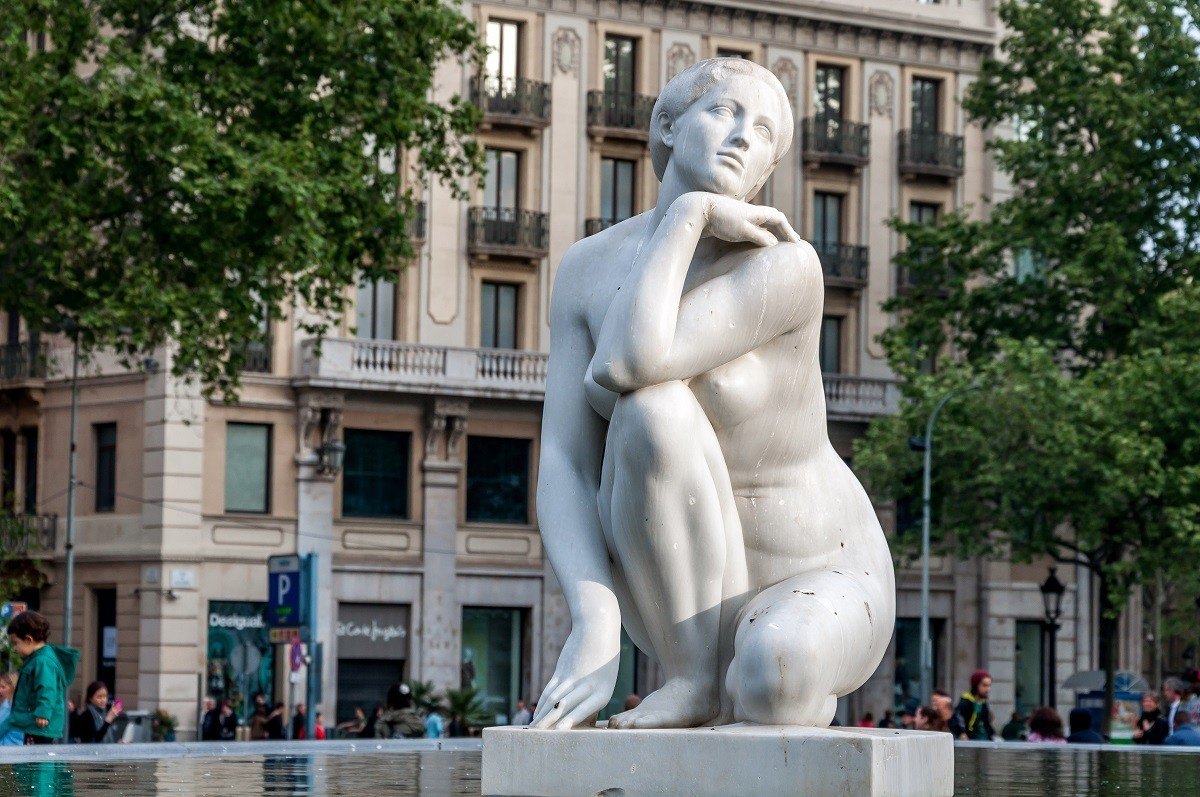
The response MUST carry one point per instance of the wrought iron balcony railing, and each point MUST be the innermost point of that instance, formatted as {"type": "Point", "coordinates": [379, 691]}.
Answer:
{"type": "Point", "coordinates": [843, 264]}
{"type": "Point", "coordinates": [257, 357]}
{"type": "Point", "coordinates": [831, 139]}
{"type": "Point", "coordinates": [593, 226]}
{"type": "Point", "coordinates": [507, 231]}
{"type": "Point", "coordinates": [19, 361]}
{"type": "Point", "coordinates": [512, 101]}
{"type": "Point", "coordinates": [26, 534]}
{"type": "Point", "coordinates": [930, 153]}
{"type": "Point", "coordinates": [619, 113]}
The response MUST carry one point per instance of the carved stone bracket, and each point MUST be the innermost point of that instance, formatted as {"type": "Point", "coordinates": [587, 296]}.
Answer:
{"type": "Point", "coordinates": [881, 90]}
{"type": "Point", "coordinates": [318, 421]}
{"type": "Point", "coordinates": [445, 427]}
{"type": "Point", "coordinates": [679, 58]}
{"type": "Point", "coordinates": [785, 69]}
{"type": "Point", "coordinates": [565, 46]}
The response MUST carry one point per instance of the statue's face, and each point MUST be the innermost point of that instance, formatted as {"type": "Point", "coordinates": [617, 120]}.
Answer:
{"type": "Point", "coordinates": [725, 141]}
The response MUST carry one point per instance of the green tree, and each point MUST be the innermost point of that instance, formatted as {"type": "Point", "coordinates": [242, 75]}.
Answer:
{"type": "Point", "coordinates": [426, 698]}
{"type": "Point", "coordinates": [1071, 303]}
{"type": "Point", "coordinates": [170, 172]}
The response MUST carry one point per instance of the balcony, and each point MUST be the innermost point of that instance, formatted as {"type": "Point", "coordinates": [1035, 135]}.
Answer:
{"type": "Point", "coordinates": [257, 358]}
{"type": "Point", "coordinates": [857, 398]}
{"type": "Point", "coordinates": [593, 226]}
{"type": "Point", "coordinates": [507, 232]}
{"type": "Point", "coordinates": [835, 141]}
{"type": "Point", "coordinates": [22, 363]}
{"type": "Point", "coordinates": [28, 534]}
{"type": "Point", "coordinates": [416, 368]}
{"type": "Point", "coordinates": [926, 153]}
{"type": "Point", "coordinates": [844, 265]}
{"type": "Point", "coordinates": [619, 114]}
{"type": "Point", "coordinates": [512, 102]}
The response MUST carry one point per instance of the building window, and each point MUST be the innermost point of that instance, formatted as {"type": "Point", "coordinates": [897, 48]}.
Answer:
{"type": "Point", "coordinates": [907, 640]}
{"type": "Point", "coordinates": [616, 189]}
{"type": "Point", "coordinates": [501, 184]}
{"type": "Point", "coordinates": [105, 651]}
{"type": "Point", "coordinates": [926, 104]}
{"type": "Point", "coordinates": [375, 473]}
{"type": "Point", "coordinates": [106, 466]}
{"type": "Point", "coordinates": [830, 351]}
{"type": "Point", "coordinates": [1028, 666]}
{"type": "Point", "coordinates": [375, 310]}
{"type": "Point", "coordinates": [31, 469]}
{"type": "Point", "coordinates": [504, 51]}
{"type": "Point", "coordinates": [498, 315]}
{"type": "Point", "coordinates": [497, 479]}
{"type": "Point", "coordinates": [827, 220]}
{"type": "Point", "coordinates": [830, 93]}
{"type": "Point", "coordinates": [248, 467]}
{"type": "Point", "coordinates": [924, 212]}
{"type": "Point", "coordinates": [8, 469]}
{"type": "Point", "coordinates": [732, 52]}
{"type": "Point", "coordinates": [620, 65]}
{"type": "Point", "coordinates": [1028, 265]}
{"type": "Point", "coordinates": [495, 658]}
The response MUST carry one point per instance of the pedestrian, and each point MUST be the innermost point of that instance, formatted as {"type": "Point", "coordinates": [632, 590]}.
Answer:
{"type": "Point", "coordinates": [258, 720]}
{"type": "Point", "coordinates": [1045, 725]}
{"type": "Point", "coordinates": [369, 731]}
{"type": "Point", "coordinates": [1151, 727]}
{"type": "Point", "coordinates": [1186, 734]}
{"type": "Point", "coordinates": [227, 723]}
{"type": "Point", "coordinates": [399, 720]}
{"type": "Point", "coordinates": [867, 721]}
{"type": "Point", "coordinates": [319, 733]}
{"type": "Point", "coordinates": [941, 702]}
{"type": "Point", "coordinates": [888, 720]}
{"type": "Point", "coordinates": [1173, 692]}
{"type": "Point", "coordinates": [632, 701]}
{"type": "Point", "coordinates": [522, 716]}
{"type": "Point", "coordinates": [435, 727]}
{"type": "Point", "coordinates": [8, 685]}
{"type": "Point", "coordinates": [274, 723]}
{"type": "Point", "coordinates": [972, 718]}
{"type": "Point", "coordinates": [354, 727]}
{"type": "Point", "coordinates": [210, 721]}
{"type": "Point", "coordinates": [928, 718]}
{"type": "Point", "coordinates": [39, 704]}
{"type": "Point", "coordinates": [94, 723]}
{"type": "Point", "coordinates": [1016, 729]}
{"type": "Point", "coordinates": [907, 718]}
{"type": "Point", "coordinates": [299, 721]}
{"type": "Point", "coordinates": [1082, 732]}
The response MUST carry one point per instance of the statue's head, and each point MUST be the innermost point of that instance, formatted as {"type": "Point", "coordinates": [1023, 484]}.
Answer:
{"type": "Point", "coordinates": [722, 125]}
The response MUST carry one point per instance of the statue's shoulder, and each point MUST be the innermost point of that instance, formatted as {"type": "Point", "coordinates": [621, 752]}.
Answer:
{"type": "Point", "coordinates": [592, 256]}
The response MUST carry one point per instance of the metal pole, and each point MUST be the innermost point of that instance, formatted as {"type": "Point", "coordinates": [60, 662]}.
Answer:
{"type": "Point", "coordinates": [926, 652]}
{"type": "Point", "coordinates": [314, 664]}
{"type": "Point", "coordinates": [69, 591]}
{"type": "Point", "coordinates": [1051, 668]}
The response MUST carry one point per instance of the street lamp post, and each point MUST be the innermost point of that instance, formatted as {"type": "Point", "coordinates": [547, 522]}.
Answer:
{"type": "Point", "coordinates": [69, 545]}
{"type": "Point", "coordinates": [1052, 595]}
{"type": "Point", "coordinates": [926, 444]}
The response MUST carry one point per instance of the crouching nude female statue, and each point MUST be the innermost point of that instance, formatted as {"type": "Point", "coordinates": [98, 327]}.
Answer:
{"type": "Point", "coordinates": [688, 488]}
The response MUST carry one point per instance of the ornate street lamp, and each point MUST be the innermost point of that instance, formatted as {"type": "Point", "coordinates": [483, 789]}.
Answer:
{"type": "Point", "coordinates": [331, 455]}
{"type": "Point", "coordinates": [1052, 595]}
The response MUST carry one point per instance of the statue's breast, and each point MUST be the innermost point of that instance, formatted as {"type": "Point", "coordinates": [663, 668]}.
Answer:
{"type": "Point", "coordinates": [733, 392]}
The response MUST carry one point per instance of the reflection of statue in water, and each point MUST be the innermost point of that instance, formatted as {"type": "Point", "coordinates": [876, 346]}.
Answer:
{"type": "Point", "coordinates": [688, 488]}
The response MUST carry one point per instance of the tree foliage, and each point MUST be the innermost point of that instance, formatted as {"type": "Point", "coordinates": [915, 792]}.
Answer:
{"type": "Point", "coordinates": [1072, 306]}
{"type": "Point", "coordinates": [170, 171]}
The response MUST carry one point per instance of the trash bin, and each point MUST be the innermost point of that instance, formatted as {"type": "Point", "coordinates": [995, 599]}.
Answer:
{"type": "Point", "coordinates": [134, 727]}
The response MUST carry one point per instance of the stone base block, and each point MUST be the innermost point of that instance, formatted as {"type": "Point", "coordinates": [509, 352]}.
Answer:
{"type": "Point", "coordinates": [726, 761]}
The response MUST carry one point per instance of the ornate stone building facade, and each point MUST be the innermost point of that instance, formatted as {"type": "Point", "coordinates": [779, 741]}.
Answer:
{"type": "Point", "coordinates": [431, 565]}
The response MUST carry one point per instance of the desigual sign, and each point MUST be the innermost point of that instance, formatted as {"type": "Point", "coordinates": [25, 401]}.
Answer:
{"type": "Point", "coordinates": [372, 631]}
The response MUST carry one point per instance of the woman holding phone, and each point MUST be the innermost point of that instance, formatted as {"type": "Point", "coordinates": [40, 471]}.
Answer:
{"type": "Point", "coordinates": [93, 724]}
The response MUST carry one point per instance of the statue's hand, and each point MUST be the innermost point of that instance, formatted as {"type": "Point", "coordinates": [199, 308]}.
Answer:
{"type": "Point", "coordinates": [737, 221]}
{"type": "Point", "coordinates": [584, 679]}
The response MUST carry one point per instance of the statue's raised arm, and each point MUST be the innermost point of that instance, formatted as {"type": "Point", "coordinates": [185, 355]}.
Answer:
{"type": "Point", "coordinates": [688, 490]}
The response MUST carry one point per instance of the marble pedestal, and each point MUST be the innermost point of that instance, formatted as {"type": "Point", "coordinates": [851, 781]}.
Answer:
{"type": "Point", "coordinates": [727, 761]}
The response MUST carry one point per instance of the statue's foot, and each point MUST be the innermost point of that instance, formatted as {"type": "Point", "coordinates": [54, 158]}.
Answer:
{"type": "Point", "coordinates": [680, 703]}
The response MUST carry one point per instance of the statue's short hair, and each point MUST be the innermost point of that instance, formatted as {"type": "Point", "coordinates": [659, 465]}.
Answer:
{"type": "Point", "coordinates": [690, 84]}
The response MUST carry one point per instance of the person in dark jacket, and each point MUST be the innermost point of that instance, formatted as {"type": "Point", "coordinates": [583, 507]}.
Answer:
{"type": "Point", "coordinates": [274, 723]}
{"type": "Point", "coordinates": [210, 722]}
{"type": "Point", "coordinates": [1082, 732]}
{"type": "Point", "coordinates": [227, 723]}
{"type": "Point", "coordinates": [93, 723]}
{"type": "Point", "coordinates": [972, 718]}
{"type": "Point", "coordinates": [1151, 727]}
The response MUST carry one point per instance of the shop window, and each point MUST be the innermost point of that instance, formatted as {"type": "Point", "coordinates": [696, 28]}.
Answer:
{"type": "Point", "coordinates": [247, 467]}
{"type": "Point", "coordinates": [241, 658]}
{"type": "Point", "coordinates": [106, 466]}
{"type": "Point", "coordinates": [1029, 666]}
{"type": "Point", "coordinates": [499, 304]}
{"type": "Point", "coordinates": [497, 479]}
{"type": "Point", "coordinates": [907, 642]}
{"type": "Point", "coordinates": [494, 658]}
{"type": "Point", "coordinates": [831, 345]}
{"type": "Point", "coordinates": [375, 473]}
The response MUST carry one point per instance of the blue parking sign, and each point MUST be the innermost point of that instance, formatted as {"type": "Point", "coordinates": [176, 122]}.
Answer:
{"type": "Point", "coordinates": [285, 590]}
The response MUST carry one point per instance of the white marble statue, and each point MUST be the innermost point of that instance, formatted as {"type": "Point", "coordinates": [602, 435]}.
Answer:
{"type": "Point", "coordinates": [688, 488]}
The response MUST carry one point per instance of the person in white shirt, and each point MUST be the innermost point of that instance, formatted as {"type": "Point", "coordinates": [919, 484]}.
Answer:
{"type": "Point", "coordinates": [1173, 692]}
{"type": "Point", "coordinates": [523, 715]}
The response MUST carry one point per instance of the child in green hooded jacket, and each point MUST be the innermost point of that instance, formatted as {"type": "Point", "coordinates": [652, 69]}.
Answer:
{"type": "Point", "coordinates": [39, 706]}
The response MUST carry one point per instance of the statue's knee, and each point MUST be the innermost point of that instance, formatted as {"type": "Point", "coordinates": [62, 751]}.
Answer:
{"type": "Point", "coordinates": [655, 417]}
{"type": "Point", "coordinates": [777, 661]}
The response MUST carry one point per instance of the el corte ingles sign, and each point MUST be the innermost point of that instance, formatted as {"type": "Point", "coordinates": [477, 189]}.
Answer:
{"type": "Point", "coordinates": [372, 631]}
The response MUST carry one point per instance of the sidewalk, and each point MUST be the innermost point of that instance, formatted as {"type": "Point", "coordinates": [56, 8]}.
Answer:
{"type": "Point", "coordinates": [161, 750]}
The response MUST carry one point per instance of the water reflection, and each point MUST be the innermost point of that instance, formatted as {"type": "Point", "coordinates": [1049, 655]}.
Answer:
{"type": "Point", "coordinates": [979, 772]}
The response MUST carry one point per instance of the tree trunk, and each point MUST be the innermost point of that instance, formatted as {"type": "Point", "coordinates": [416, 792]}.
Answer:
{"type": "Point", "coordinates": [1107, 627]}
